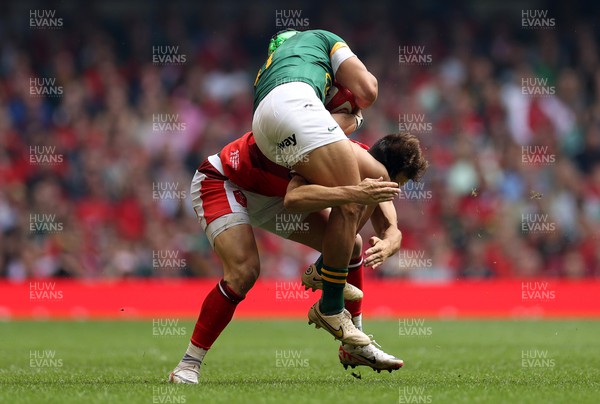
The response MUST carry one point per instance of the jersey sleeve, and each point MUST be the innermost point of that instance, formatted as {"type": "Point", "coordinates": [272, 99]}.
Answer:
{"type": "Point", "coordinates": [339, 51]}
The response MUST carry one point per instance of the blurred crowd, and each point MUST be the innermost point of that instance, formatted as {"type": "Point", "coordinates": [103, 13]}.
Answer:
{"type": "Point", "coordinates": [104, 120]}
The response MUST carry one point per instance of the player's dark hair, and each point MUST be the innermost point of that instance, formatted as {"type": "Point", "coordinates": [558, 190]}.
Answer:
{"type": "Point", "coordinates": [400, 153]}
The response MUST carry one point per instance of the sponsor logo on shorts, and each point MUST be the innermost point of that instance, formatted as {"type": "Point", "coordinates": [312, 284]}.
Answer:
{"type": "Point", "coordinates": [287, 142]}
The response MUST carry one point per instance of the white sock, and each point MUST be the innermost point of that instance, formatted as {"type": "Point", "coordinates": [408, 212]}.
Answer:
{"type": "Point", "coordinates": [357, 320]}
{"type": "Point", "coordinates": [194, 354]}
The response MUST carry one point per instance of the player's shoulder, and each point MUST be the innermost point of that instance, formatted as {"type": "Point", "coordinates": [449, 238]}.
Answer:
{"type": "Point", "coordinates": [323, 34]}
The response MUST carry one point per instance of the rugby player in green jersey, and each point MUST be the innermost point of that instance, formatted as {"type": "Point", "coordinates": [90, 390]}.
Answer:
{"type": "Point", "coordinates": [293, 129]}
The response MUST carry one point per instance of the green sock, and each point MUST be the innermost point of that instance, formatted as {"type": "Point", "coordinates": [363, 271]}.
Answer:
{"type": "Point", "coordinates": [332, 299]}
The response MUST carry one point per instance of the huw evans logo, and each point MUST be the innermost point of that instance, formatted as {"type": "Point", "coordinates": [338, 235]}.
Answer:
{"type": "Point", "coordinates": [44, 87]}
{"type": "Point", "coordinates": [537, 155]}
{"type": "Point", "coordinates": [413, 327]}
{"type": "Point", "coordinates": [537, 19]}
{"type": "Point", "coordinates": [413, 55]}
{"type": "Point", "coordinates": [168, 394]}
{"type": "Point", "coordinates": [537, 87]}
{"type": "Point", "coordinates": [167, 55]}
{"type": "Point", "coordinates": [287, 152]}
{"type": "Point", "coordinates": [290, 291]}
{"type": "Point", "coordinates": [290, 19]}
{"type": "Point", "coordinates": [290, 222]}
{"type": "Point", "coordinates": [534, 358]}
{"type": "Point", "coordinates": [289, 358]}
{"type": "Point", "coordinates": [44, 155]}
{"type": "Point", "coordinates": [414, 259]}
{"type": "Point", "coordinates": [167, 327]}
{"type": "Point", "coordinates": [415, 191]}
{"type": "Point", "coordinates": [413, 394]}
{"type": "Point", "coordinates": [167, 190]}
{"type": "Point", "coordinates": [537, 291]}
{"type": "Point", "coordinates": [42, 223]}
{"type": "Point", "coordinates": [167, 259]}
{"type": "Point", "coordinates": [414, 123]}
{"type": "Point", "coordinates": [44, 359]}
{"type": "Point", "coordinates": [44, 291]}
{"type": "Point", "coordinates": [536, 223]}
{"type": "Point", "coordinates": [167, 123]}
{"type": "Point", "coordinates": [44, 19]}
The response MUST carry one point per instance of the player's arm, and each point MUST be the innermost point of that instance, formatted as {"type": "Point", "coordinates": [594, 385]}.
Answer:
{"type": "Point", "coordinates": [353, 75]}
{"type": "Point", "coordinates": [389, 237]}
{"type": "Point", "coordinates": [350, 72]}
{"type": "Point", "coordinates": [304, 197]}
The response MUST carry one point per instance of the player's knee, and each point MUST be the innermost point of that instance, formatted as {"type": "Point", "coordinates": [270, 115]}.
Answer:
{"type": "Point", "coordinates": [357, 249]}
{"type": "Point", "coordinates": [242, 274]}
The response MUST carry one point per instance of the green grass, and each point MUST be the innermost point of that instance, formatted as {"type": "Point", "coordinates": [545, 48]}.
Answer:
{"type": "Point", "coordinates": [461, 361]}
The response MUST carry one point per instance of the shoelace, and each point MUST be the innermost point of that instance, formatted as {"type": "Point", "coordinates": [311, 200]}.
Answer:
{"type": "Point", "coordinates": [373, 340]}
{"type": "Point", "coordinates": [379, 350]}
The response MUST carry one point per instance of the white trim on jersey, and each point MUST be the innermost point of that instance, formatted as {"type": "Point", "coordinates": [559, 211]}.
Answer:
{"type": "Point", "coordinates": [339, 56]}
{"type": "Point", "coordinates": [216, 163]}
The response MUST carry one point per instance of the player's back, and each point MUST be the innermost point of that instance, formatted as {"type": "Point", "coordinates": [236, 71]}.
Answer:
{"type": "Point", "coordinates": [304, 57]}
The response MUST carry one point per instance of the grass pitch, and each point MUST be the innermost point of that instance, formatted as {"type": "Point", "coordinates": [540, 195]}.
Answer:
{"type": "Point", "coordinates": [288, 361]}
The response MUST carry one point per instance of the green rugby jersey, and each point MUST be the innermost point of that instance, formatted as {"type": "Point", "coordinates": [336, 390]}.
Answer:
{"type": "Point", "coordinates": [305, 57]}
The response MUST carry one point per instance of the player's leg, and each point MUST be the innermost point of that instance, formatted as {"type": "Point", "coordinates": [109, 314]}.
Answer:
{"type": "Point", "coordinates": [349, 355]}
{"type": "Point", "coordinates": [337, 160]}
{"type": "Point", "coordinates": [311, 278]}
{"type": "Point", "coordinates": [237, 250]}
{"type": "Point", "coordinates": [227, 225]}
{"type": "Point", "coordinates": [292, 128]}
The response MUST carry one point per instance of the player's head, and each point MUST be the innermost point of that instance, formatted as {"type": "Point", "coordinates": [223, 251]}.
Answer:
{"type": "Point", "coordinates": [279, 38]}
{"type": "Point", "coordinates": [401, 155]}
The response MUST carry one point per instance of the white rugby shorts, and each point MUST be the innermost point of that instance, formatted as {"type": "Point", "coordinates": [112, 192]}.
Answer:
{"type": "Point", "coordinates": [291, 121]}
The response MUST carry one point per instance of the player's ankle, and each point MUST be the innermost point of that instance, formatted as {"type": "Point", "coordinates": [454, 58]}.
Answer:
{"type": "Point", "coordinates": [194, 353]}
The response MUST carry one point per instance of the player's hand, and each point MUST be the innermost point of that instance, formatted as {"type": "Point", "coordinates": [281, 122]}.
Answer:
{"type": "Point", "coordinates": [373, 191]}
{"type": "Point", "coordinates": [380, 250]}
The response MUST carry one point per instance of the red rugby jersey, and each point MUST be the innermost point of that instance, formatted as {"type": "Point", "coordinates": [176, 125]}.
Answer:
{"type": "Point", "coordinates": [246, 166]}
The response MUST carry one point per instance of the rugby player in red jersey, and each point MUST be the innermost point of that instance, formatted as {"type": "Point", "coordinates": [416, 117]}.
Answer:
{"type": "Point", "coordinates": [239, 188]}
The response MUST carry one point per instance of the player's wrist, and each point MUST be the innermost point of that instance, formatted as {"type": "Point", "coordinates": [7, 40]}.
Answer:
{"type": "Point", "coordinates": [355, 194]}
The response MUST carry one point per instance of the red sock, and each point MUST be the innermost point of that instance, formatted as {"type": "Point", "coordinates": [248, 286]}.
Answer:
{"type": "Point", "coordinates": [217, 311]}
{"type": "Point", "coordinates": [355, 277]}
